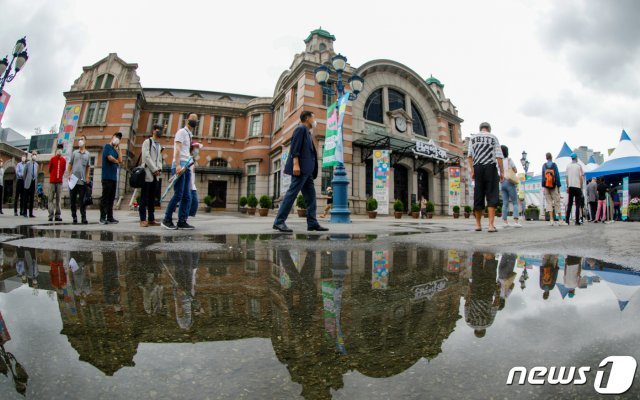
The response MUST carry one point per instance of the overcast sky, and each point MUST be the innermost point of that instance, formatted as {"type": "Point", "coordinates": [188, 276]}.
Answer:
{"type": "Point", "coordinates": [542, 72]}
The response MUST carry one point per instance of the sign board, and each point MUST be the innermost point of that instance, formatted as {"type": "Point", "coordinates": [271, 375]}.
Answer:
{"type": "Point", "coordinates": [625, 198]}
{"type": "Point", "coordinates": [454, 188]}
{"type": "Point", "coordinates": [380, 269]}
{"type": "Point", "coordinates": [428, 290]}
{"type": "Point", "coordinates": [381, 172]}
{"type": "Point", "coordinates": [431, 150]}
{"type": "Point", "coordinates": [68, 126]}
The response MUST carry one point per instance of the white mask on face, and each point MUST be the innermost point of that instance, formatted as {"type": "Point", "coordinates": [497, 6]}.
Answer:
{"type": "Point", "coordinates": [34, 158]}
{"type": "Point", "coordinates": [58, 152]}
{"type": "Point", "coordinates": [315, 123]}
{"type": "Point", "coordinates": [196, 152]}
{"type": "Point", "coordinates": [115, 141]}
{"type": "Point", "coordinates": [81, 143]}
{"type": "Point", "coordinates": [24, 159]}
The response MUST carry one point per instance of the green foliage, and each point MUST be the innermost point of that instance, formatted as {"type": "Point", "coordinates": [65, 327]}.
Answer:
{"type": "Point", "coordinates": [398, 206]}
{"type": "Point", "coordinates": [456, 209]}
{"type": "Point", "coordinates": [243, 201]}
{"type": "Point", "coordinates": [252, 201]}
{"type": "Point", "coordinates": [468, 209]}
{"type": "Point", "coordinates": [300, 203]}
{"type": "Point", "coordinates": [265, 201]}
{"type": "Point", "coordinates": [430, 207]}
{"type": "Point", "coordinates": [372, 204]}
{"type": "Point", "coordinates": [208, 200]}
{"type": "Point", "coordinates": [415, 207]}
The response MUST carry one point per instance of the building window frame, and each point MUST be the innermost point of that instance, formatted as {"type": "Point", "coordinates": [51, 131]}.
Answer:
{"type": "Point", "coordinates": [96, 113]}
{"type": "Point", "coordinates": [452, 132]}
{"type": "Point", "coordinates": [252, 178]}
{"type": "Point", "coordinates": [326, 179]}
{"type": "Point", "coordinates": [277, 177]}
{"type": "Point", "coordinates": [227, 127]}
{"type": "Point", "coordinates": [255, 125]}
{"type": "Point", "coordinates": [104, 81]}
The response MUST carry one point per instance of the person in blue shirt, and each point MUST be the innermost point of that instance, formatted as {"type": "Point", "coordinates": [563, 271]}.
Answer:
{"type": "Point", "coordinates": [111, 159]}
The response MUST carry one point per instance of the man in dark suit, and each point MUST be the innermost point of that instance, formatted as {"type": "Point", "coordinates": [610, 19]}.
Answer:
{"type": "Point", "coordinates": [302, 165]}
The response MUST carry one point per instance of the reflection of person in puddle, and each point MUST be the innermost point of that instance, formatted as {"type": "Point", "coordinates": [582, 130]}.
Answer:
{"type": "Point", "coordinates": [148, 277]}
{"type": "Point", "coordinates": [480, 306]}
{"type": "Point", "coordinates": [572, 274]}
{"type": "Point", "coordinates": [506, 276]}
{"type": "Point", "coordinates": [31, 268]}
{"type": "Point", "coordinates": [548, 274]}
{"type": "Point", "coordinates": [184, 288]}
{"type": "Point", "coordinates": [8, 363]}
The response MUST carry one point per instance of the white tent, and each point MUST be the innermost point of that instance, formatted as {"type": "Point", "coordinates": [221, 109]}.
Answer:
{"type": "Point", "coordinates": [625, 159]}
{"type": "Point", "coordinates": [591, 165]}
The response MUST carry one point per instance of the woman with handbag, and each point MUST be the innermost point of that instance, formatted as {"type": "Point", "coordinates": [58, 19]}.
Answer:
{"type": "Point", "coordinates": [509, 189]}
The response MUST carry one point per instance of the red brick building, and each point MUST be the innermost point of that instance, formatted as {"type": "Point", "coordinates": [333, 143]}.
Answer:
{"type": "Point", "coordinates": [244, 136]}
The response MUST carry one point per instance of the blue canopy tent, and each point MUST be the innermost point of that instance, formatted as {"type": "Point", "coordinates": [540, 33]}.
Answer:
{"type": "Point", "coordinates": [625, 160]}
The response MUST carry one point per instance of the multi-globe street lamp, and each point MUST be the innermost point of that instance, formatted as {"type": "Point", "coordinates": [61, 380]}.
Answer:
{"type": "Point", "coordinates": [8, 70]}
{"type": "Point", "coordinates": [525, 164]}
{"type": "Point", "coordinates": [340, 211]}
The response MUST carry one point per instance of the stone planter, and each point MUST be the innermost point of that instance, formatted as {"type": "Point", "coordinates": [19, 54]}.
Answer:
{"type": "Point", "coordinates": [415, 215]}
{"type": "Point", "coordinates": [263, 212]}
{"type": "Point", "coordinates": [634, 215]}
{"type": "Point", "coordinates": [398, 214]}
{"type": "Point", "coordinates": [467, 215]}
{"type": "Point", "coordinates": [456, 215]}
{"type": "Point", "coordinates": [429, 215]}
{"type": "Point", "coordinates": [302, 212]}
{"type": "Point", "coordinates": [251, 211]}
{"type": "Point", "coordinates": [532, 214]}
{"type": "Point", "coordinates": [243, 210]}
{"type": "Point", "coordinates": [372, 214]}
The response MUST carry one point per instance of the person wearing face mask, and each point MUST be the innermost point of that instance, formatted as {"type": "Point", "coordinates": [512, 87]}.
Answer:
{"type": "Point", "coordinates": [29, 175]}
{"type": "Point", "coordinates": [79, 166]}
{"type": "Point", "coordinates": [111, 159]}
{"type": "Point", "coordinates": [182, 186]}
{"type": "Point", "coordinates": [1, 184]}
{"type": "Point", "coordinates": [152, 161]}
{"type": "Point", "coordinates": [195, 150]}
{"type": "Point", "coordinates": [57, 166]}
{"type": "Point", "coordinates": [302, 164]}
{"type": "Point", "coordinates": [19, 195]}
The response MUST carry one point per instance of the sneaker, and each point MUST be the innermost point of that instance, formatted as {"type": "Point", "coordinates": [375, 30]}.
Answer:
{"type": "Point", "coordinates": [505, 224]}
{"type": "Point", "coordinates": [85, 222]}
{"type": "Point", "coordinates": [50, 219]}
{"type": "Point", "coordinates": [551, 223]}
{"type": "Point", "coordinates": [517, 224]}
{"type": "Point", "coordinates": [184, 225]}
{"type": "Point", "coordinates": [75, 221]}
{"type": "Point", "coordinates": [104, 221]}
{"type": "Point", "coordinates": [58, 219]}
{"type": "Point", "coordinates": [112, 221]}
{"type": "Point", "coordinates": [168, 224]}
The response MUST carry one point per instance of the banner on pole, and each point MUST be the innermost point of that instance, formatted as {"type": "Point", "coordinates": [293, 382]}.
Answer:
{"type": "Point", "coordinates": [68, 126]}
{"type": "Point", "coordinates": [625, 198]}
{"type": "Point", "coordinates": [285, 179]}
{"type": "Point", "coordinates": [380, 269]}
{"type": "Point", "coordinates": [331, 137]}
{"type": "Point", "coordinates": [4, 100]}
{"type": "Point", "coordinates": [454, 188]}
{"type": "Point", "coordinates": [381, 171]}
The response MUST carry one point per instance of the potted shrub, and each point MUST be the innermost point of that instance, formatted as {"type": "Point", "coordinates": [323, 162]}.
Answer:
{"type": "Point", "coordinates": [243, 204]}
{"type": "Point", "coordinates": [208, 202]}
{"type": "Point", "coordinates": [372, 207]}
{"type": "Point", "coordinates": [302, 206]}
{"type": "Point", "coordinates": [430, 209]}
{"type": "Point", "coordinates": [252, 202]}
{"type": "Point", "coordinates": [415, 210]}
{"type": "Point", "coordinates": [532, 213]}
{"type": "Point", "coordinates": [467, 211]}
{"type": "Point", "coordinates": [265, 205]}
{"type": "Point", "coordinates": [633, 212]}
{"type": "Point", "coordinates": [456, 212]}
{"type": "Point", "coordinates": [499, 211]}
{"type": "Point", "coordinates": [398, 208]}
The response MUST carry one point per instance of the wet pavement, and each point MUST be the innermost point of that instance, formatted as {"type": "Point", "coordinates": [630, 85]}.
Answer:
{"type": "Point", "coordinates": [126, 315]}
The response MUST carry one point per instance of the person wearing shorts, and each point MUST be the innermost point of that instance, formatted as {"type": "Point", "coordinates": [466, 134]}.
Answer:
{"type": "Point", "coordinates": [485, 163]}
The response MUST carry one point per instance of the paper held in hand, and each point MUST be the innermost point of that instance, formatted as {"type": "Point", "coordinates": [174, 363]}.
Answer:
{"type": "Point", "coordinates": [73, 180]}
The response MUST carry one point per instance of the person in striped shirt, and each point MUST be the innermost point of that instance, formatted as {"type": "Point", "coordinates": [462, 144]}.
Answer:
{"type": "Point", "coordinates": [484, 152]}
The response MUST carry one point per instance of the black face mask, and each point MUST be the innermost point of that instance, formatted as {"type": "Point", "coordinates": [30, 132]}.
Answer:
{"type": "Point", "coordinates": [193, 123]}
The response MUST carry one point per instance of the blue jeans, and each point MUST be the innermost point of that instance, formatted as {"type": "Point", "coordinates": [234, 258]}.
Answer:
{"type": "Point", "coordinates": [194, 203]}
{"type": "Point", "coordinates": [304, 184]}
{"type": "Point", "coordinates": [182, 195]}
{"type": "Point", "coordinates": [509, 195]}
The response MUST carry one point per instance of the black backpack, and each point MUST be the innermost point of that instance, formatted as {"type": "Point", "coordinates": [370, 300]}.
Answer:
{"type": "Point", "coordinates": [137, 175]}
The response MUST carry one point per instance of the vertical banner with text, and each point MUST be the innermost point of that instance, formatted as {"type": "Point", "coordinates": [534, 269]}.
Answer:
{"type": "Point", "coordinates": [380, 269]}
{"type": "Point", "coordinates": [4, 100]}
{"type": "Point", "coordinates": [625, 198]}
{"type": "Point", "coordinates": [381, 171]}
{"type": "Point", "coordinates": [286, 179]}
{"type": "Point", "coordinates": [331, 137]}
{"type": "Point", "coordinates": [454, 188]}
{"type": "Point", "coordinates": [68, 126]}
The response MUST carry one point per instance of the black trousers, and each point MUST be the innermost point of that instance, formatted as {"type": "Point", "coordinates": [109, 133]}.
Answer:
{"type": "Point", "coordinates": [593, 207]}
{"type": "Point", "coordinates": [106, 202]}
{"type": "Point", "coordinates": [574, 194]}
{"type": "Point", "coordinates": [487, 186]}
{"type": "Point", "coordinates": [18, 198]}
{"type": "Point", "coordinates": [148, 200]}
{"type": "Point", "coordinates": [77, 194]}
{"type": "Point", "coordinates": [27, 199]}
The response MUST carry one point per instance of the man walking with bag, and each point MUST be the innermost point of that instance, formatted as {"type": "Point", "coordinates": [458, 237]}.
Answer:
{"type": "Point", "coordinates": [302, 165]}
{"type": "Point", "coordinates": [111, 159]}
{"type": "Point", "coordinates": [78, 171]}
{"type": "Point", "coordinates": [551, 185]}
{"type": "Point", "coordinates": [57, 166]}
{"type": "Point", "coordinates": [152, 161]}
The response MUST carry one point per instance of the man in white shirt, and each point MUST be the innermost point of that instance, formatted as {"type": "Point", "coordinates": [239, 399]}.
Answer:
{"type": "Point", "coordinates": [572, 272]}
{"type": "Point", "coordinates": [182, 186]}
{"type": "Point", "coordinates": [574, 179]}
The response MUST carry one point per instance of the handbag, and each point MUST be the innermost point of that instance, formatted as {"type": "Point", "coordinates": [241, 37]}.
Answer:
{"type": "Point", "coordinates": [137, 175]}
{"type": "Point", "coordinates": [88, 198]}
{"type": "Point", "coordinates": [510, 175]}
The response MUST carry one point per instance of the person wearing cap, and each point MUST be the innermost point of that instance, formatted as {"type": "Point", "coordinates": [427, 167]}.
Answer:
{"type": "Point", "coordinates": [30, 176]}
{"type": "Point", "coordinates": [152, 161]}
{"type": "Point", "coordinates": [57, 166]}
{"type": "Point", "coordinates": [111, 159]}
{"type": "Point", "coordinates": [485, 161]}
{"type": "Point", "coordinates": [195, 150]}
{"type": "Point", "coordinates": [574, 178]}
{"type": "Point", "coordinates": [327, 208]}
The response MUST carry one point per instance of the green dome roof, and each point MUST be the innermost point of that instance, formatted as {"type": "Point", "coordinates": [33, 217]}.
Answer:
{"type": "Point", "coordinates": [319, 32]}
{"type": "Point", "coordinates": [431, 80]}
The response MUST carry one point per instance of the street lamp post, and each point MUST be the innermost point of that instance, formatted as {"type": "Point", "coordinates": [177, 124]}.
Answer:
{"type": "Point", "coordinates": [19, 57]}
{"type": "Point", "coordinates": [340, 211]}
{"type": "Point", "coordinates": [525, 164]}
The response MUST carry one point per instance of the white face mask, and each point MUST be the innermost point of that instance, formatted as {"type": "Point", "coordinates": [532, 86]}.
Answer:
{"type": "Point", "coordinates": [34, 158]}
{"type": "Point", "coordinates": [315, 123]}
{"type": "Point", "coordinates": [115, 141]}
{"type": "Point", "coordinates": [58, 152]}
{"type": "Point", "coordinates": [24, 159]}
{"type": "Point", "coordinates": [81, 143]}
{"type": "Point", "coordinates": [196, 152]}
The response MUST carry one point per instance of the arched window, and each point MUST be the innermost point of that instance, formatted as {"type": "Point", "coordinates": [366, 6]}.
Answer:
{"type": "Point", "coordinates": [104, 81]}
{"type": "Point", "coordinates": [396, 100]}
{"type": "Point", "coordinates": [218, 162]}
{"type": "Point", "coordinates": [373, 107]}
{"type": "Point", "coordinates": [419, 128]}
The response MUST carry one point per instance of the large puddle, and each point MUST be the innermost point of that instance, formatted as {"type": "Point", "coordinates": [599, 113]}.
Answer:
{"type": "Point", "coordinates": [93, 315]}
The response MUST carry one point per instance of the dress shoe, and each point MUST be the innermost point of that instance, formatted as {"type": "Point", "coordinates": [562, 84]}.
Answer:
{"type": "Point", "coordinates": [282, 228]}
{"type": "Point", "coordinates": [154, 223]}
{"type": "Point", "coordinates": [144, 224]}
{"type": "Point", "coordinates": [50, 219]}
{"type": "Point", "coordinates": [317, 228]}
{"type": "Point", "coordinates": [58, 219]}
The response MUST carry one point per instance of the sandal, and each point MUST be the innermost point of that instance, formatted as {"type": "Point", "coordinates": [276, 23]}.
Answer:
{"type": "Point", "coordinates": [492, 230]}
{"type": "Point", "coordinates": [478, 229]}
